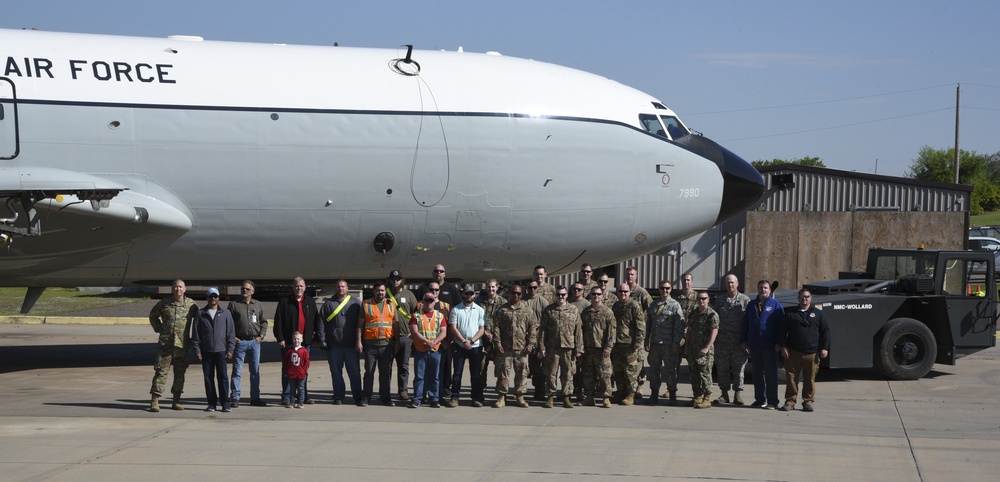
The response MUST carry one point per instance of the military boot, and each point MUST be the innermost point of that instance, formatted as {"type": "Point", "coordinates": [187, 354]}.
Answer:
{"type": "Point", "coordinates": [704, 403]}
{"type": "Point", "coordinates": [673, 399]}
{"type": "Point", "coordinates": [723, 398]}
{"type": "Point", "coordinates": [629, 399]}
{"type": "Point", "coordinates": [177, 402]}
{"type": "Point", "coordinates": [567, 403]}
{"type": "Point", "coordinates": [521, 402]}
{"type": "Point", "coordinates": [607, 403]}
{"type": "Point", "coordinates": [500, 401]}
{"type": "Point", "coordinates": [696, 400]}
{"type": "Point", "coordinates": [653, 399]}
{"type": "Point", "coordinates": [154, 404]}
{"type": "Point", "coordinates": [588, 401]}
{"type": "Point", "coordinates": [737, 399]}
{"type": "Point", "coordinates": [549, 402]}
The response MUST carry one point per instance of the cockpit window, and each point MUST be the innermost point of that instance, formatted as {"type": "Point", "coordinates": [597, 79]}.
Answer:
{"type": "Point", "coordinates": [674, 127]}
{"type": "Point", "coordinates": [663, 126]}
{"type": "Point", "coordinates": [652, 124]}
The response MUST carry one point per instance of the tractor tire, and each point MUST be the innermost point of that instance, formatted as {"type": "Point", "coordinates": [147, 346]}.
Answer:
{"type": "Point", "coordinates": [905, 349]}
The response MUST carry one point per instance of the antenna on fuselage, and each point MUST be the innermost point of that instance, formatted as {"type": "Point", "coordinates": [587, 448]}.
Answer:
{"type": "Point", "coordinates": [406, 65]}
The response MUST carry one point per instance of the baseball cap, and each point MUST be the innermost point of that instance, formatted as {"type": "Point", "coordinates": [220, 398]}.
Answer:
{"type": "Point", "coordinates": [429, 297]}
{"type": "Point", "coordinates": [468, 289]}
{"type": "Point", "coordinates": [212, 291]}
{"type": "Point", "coordinates": [395, 274]}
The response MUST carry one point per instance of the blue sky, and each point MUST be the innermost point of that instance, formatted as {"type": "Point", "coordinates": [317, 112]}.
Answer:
{"type": "Point", "coordinates": [850, 81]}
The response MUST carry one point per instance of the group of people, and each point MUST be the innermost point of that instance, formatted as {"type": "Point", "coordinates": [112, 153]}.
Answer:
{"type": "Point", "coordinates": [585, 341]}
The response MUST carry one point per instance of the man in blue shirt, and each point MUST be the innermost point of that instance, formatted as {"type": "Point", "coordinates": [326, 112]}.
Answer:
{"type": "Point", "coordinates": [760, 325]}
{"type": "Point", "coordinates": [467, 323]}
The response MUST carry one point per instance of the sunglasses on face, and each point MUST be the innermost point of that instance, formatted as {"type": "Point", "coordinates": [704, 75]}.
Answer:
{"type": "Point", "coordinates": [516, 293]}
{"type": "Point", "coordinates": [700, 298]}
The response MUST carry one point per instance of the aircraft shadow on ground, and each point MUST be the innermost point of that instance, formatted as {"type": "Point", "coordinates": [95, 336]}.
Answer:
{"type": "Point", "coordinates": [33, 357]}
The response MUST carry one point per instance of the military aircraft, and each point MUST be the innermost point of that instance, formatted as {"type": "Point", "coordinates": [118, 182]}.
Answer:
{"type": "Point", "coordinates": [136, 161]}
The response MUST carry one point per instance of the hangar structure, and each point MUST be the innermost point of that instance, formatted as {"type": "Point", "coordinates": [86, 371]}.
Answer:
{"type": "Point", "coordinates": [896, 211]}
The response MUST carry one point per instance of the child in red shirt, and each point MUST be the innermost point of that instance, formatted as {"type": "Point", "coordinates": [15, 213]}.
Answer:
{"type": "Point", "coordinates": [296, 367]}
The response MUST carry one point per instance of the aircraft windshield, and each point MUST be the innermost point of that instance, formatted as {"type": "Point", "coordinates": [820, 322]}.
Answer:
{"type": "Point", "coordinates": [663, 126]}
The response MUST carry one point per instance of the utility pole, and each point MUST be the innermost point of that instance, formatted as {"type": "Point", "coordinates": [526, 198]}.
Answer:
{"type": "Point", "coordinates": [958, 98]}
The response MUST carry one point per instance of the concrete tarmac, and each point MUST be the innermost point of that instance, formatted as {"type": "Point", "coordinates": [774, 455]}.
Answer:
{"type": "Point", "coordinates": [74, 401]}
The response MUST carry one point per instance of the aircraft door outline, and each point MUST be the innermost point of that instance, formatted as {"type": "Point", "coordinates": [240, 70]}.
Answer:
{"type": "Point", "coordinates": [9, 132]}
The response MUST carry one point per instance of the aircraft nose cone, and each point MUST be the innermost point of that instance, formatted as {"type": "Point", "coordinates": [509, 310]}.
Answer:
{"type": "Point", "coordinates": [743, 185]}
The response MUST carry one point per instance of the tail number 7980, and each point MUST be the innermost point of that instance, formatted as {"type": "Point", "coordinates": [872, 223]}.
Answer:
{"type": "Point", "coordinates": [689, 192]}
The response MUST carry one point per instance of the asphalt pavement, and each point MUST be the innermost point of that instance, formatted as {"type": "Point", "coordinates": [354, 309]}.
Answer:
{"type": "Point", "coordinates": [74, 401]}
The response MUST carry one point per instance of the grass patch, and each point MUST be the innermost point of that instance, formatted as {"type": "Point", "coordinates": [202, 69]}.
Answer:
{"type": "Point", "coordinates": [57, 301]}
{"type": "Point", "coordinates": [988, 219]}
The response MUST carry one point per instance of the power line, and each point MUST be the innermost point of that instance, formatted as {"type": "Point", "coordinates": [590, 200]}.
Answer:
{"type": "Point", "coordinates": [837, 126]}
{"type": "Point", "coordinates": [821, 101]}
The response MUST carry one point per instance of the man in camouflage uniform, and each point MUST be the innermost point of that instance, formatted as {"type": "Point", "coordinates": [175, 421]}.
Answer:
{"type": "Point", "coordinates": [598, 323]}
{"type": "Point", "coordinates": [536, 364]}
{"type": "Point", "coordinates": [604, 282]}
{"type": "Point", "coordinates": [630, 331]}
{"type": "Point", "coordinates": [515, 334]}
{"type": "Point", "coordinates": [578, 296]}
{"type": "Point", "coordinates": [560, 343]}
{"type": "Point", "coordinates": [665, 330]}
{"type": "Point", "coordinates": [545, 290]}
{"type": "Point", "coordinates": [491, 303]}
{"type": "Point", "coordinates": [172, 320]}
{"type": "Point", "coordinates": [639, 294]}
{"type": "Point", "coordinates": [686, 296]}
{"type": "Point", "coordinates": [702, 328]}
{"type": "Point", "coordinates": [730, 357]}
{"type": "Point", "coordinates": [587, 279]}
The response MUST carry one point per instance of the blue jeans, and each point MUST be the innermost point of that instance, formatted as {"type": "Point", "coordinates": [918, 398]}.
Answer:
{"type": "Point", "coordinates": [765, 374]}
{"type": "Point", "coordinates": [286, 386]}
{"type": "Point", "coordinates": [475, 357]}
{"type": "Point", "coordinates": [244, 349]}
{"type": "Point", "coordinates": [213, 364]}
{"type": "Point", "coordinates": [339, 357]}
{"type": "Point", "coordinates": [298, 386]}
{"type": "Point", "coordinates": [425, 363]}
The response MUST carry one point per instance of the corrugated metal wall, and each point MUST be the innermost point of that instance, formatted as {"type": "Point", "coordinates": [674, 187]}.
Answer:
{"type": "Point", "coordinates": [722, 249]}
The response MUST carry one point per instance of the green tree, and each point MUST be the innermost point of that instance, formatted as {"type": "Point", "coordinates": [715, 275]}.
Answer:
{"type": "Point", "coordinates": [804, 161]}
{"type": "Point", "coordinates": [981, 171]}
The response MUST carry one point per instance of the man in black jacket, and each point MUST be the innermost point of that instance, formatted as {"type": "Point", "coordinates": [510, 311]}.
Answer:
{"type": "Point", "coordinates": [804, 338]}
{"type": "Point", "coordinates": [296, 312]}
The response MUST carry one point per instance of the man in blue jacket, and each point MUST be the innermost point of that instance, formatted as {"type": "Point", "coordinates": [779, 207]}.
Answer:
{"type": "Point", "coordinates": [760, 326]}
{"type": "Point", "coordinates": [214, 340]}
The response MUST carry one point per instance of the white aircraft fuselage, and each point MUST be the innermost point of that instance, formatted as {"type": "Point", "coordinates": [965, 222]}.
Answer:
{"type": "Point", "coordinates": [141, 160]}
